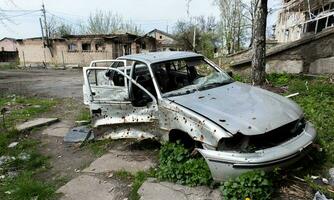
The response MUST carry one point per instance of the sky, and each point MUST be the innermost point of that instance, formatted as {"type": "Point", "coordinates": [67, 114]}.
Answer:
{"type": "Point", "coordinates": [148, 14]}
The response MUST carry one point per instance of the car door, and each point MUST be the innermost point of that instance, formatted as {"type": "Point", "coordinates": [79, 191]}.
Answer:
{"type": "Point", "coordinates": [108, 96]}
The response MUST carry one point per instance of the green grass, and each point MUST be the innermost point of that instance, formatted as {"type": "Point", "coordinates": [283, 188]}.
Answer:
{"type": "Point", "coordinates": [25, 187]}
{"type": "Point", "coordinates": [23, 108]}
{"type": "Point", "coordinates": [123, 175]}
{"type": "Point", "coordinates": [26, 161]}
{"type": "Point", "coordinates": [139, 178]}
{"type": "Point", "coordinates": [98, 147]}
{"type": "Point", "coordinates": [84, 115]}
{"type": "Point", "coordinates": [12, 65]}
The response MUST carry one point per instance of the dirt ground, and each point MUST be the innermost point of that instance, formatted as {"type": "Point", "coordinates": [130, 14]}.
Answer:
{"type": "Point", "coordinates": [67, 160]}
{"type": "Point", "coordinates": [43, 83]}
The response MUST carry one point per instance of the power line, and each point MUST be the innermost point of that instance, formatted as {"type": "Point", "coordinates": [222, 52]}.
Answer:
{"type": "Point", "coordinates": [7, 17]}
{"type": "Point", "coordinates": [4, 10]}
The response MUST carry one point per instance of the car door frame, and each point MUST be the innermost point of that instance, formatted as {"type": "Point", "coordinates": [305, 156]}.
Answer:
{"type": "Point", "coordinates": [117, 112]}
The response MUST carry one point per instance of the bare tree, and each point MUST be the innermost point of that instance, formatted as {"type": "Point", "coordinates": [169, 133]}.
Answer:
{"type": "Point", "coordinates": [234, 24]}
{"type": "Point", "coordinates": [102, 22]}
{"type": "Point", "coordinates": [259, 44]}
{"type": "Point", "coordinates": [58, 28]}
{"type": "Point", "coordinates": [206, 36]}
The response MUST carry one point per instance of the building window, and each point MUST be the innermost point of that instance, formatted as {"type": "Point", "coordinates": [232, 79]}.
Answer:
{"type": "Point", "coordinates": [127, 49]}
{"type": "Point", "coordinates": [86, 47]}
{"type": "Point", "coordinates": [143, 46]}
{"type": "Point", "coordinates": [100, 47]}
{"type": "Point", "coordinates": [2, 48]}
{"type": "Point", "coordinates": [72, 47]}
{"type": "Point", "coordinates": [160, 36]}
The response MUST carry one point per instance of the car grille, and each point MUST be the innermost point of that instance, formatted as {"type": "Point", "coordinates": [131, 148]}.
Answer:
{"type": "Point", "coordinates": [248, 144]}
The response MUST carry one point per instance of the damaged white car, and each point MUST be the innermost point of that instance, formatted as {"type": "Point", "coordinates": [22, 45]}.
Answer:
{"type": "Point", "coordinates": [184, 96]}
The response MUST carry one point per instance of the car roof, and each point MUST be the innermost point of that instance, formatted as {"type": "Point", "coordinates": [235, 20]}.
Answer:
{"type": "Point", "coordinates": [155, 57]}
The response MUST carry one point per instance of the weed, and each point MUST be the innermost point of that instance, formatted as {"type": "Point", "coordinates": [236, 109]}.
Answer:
{"type": "Point", "coordinates": [11, 65]}
{"type": "Point", "coordinates": [23, 108]}
{"type": "Point", "coordinates": [25, 187]}
{"type": "Point", "coordinates": [251, 185]}
{"type": "Point", "coordinates": [139, 178]}
{"type": "Point", "coordinates": [99, 147]}
{"type": "Point", "coordinates": [123, 175]}
{"type": "Point", "coordinates": [25, 160]}
{"type": "Point", "coordinates": [84, 115]}
{"type": "Point", "coordinates": [177, 165]}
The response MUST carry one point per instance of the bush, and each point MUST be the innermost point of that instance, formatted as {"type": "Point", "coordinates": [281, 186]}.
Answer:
{"type": "Point", "coordinates": [177, 165]}
{"type": "Point", "coordinates": [253, 185]}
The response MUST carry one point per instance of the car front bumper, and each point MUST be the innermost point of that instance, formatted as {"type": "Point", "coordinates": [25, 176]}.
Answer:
{"type": "Point", "coordinates": [224, 165]}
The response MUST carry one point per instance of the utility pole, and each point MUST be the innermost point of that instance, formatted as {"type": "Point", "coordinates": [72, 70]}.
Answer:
{"type": "Point", "coordinates": [43, 39]}
{"type": "Point", "coordinates": [45, 25]}
{"type": "Point", "coordinates": [194, 39]}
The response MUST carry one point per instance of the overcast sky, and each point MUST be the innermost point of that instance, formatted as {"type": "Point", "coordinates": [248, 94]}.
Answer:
{"type": "Point", "coordinates": [148, 14]}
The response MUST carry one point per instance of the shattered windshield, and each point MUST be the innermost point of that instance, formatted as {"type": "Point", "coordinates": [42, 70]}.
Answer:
{"type": "Point", "coordinates": [184, 76]}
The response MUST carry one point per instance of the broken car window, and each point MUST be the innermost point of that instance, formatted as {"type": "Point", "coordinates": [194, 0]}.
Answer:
{"type": "Point", "coordinates": [184, 76]}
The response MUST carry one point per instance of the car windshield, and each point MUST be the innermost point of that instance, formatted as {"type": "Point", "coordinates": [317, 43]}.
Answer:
{"type": "Point", "coordinates": [184, 76]}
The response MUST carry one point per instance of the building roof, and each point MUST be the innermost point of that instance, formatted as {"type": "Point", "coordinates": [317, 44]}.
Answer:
{"type": "Point", "coordinates": [155, 57]}
{"type": "Point", "coordinates": [7, 38]}
{"type": "Point", "coordinates": [160, 31]}
{"type": "Point", "coordinates": [109, 36]}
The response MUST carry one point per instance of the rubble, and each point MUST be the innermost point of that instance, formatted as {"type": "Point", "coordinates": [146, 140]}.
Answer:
{"type": "Point", "coordinates": [35, 123]}
{"type": "Point", "coordinates": [79, 134]}
{"type": "Point", "coordinates": [331, 176]}
{"type": "Point", "coordinates": [13, 144]}
{"type": "Point", "coordinates": [320, 196]}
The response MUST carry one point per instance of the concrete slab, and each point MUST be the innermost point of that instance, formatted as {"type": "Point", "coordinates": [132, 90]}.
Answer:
{"type": "Point", "coordinates": [152, 190]}
{"type": "Point", "coordinates": [87, 187]}
{"type": "Point", "coordinates": [35, 123]}
{"type": "Point", "coordinates": [120, 160]}
{"type": "Point", "coordinates": [59, 129]}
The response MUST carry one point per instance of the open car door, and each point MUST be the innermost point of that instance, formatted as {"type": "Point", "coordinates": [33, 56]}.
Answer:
{"type": "Point", "coordinates": [108, 96]}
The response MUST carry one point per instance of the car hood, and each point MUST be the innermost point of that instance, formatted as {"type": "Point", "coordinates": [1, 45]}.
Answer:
{"type": "Point", "coordinates": [239, 107]}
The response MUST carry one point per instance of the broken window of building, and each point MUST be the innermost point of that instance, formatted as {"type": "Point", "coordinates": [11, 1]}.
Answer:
{"type": "Point", "coordinates": [143, 45]}
{"type": "Point", "coordinates": [86, 47]}
{"type": "Point", "coordinates": [127, 49]}
{"type": "Point", "coordinates": [72, 47]}
{"type": "Point", "coordinates": [100, 46]}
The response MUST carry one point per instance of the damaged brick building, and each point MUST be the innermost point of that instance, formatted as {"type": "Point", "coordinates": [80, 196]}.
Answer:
{"type": "Point", "coordinates": [80, 50]}
{"type": "Point", "coordinates": [305, 40]}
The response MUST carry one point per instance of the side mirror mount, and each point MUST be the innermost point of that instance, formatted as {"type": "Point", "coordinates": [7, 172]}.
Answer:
{"type": "Point", "coordinates": [230, 73]}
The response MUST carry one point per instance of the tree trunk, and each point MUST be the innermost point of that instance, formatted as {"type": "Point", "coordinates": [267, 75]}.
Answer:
{"type": "Point", "coordinates": [259, 43]}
